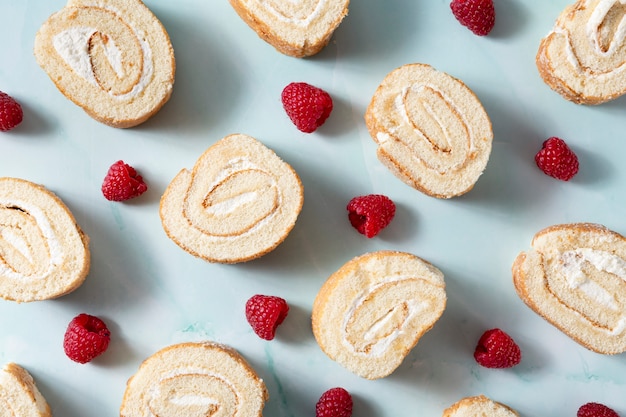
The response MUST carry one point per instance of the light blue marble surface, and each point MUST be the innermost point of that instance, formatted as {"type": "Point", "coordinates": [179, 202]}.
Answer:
{"type": "Point", "coordinates": [153, 294]}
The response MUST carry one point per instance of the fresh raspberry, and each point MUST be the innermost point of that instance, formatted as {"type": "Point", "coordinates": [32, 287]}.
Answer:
{"type": "Point", "coordinates": [265, 313]}
{"type": "Point", "coordinates": [496, 349]}
{"type": "Point", "coordinates": [10, 112]}
{"type": "Point", "coordinates": [307, 106]}
{"type": "Point", "coordinates": [369, 214]}
{"type": "Point", "coordinates": [595, 410]}
{"type": "Point", "coordinates": [479, 16]}
{"type": "Point", "coordinates": [85, 338]}
{"type": "Point", "coordinates": [336, 402]}
{"type": "Point", "coordinates": [557, 160]}
{"type": "Point", "coordinates": [122, 183]}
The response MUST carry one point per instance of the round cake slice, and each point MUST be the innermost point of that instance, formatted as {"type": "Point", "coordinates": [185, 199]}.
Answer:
{"type": "Point", "coordinates": [238, 203]}
{"type": "Point", "coordinates": [297, 28]}
{"type": "Point", "coordinates": [583, 57]}
{"type": "Point", "coordinates": [371, 312]}
{"type": "Point", "coordinates": [44, 254]}
{"type": "Point", "coordinates": [431, 130]}
{"type": "Point", "coordinates": [113, 58]}
{"type": "Point", "coordinates": [19, 395]}
{"type": "Point", "coordinates": [575, 277]}
{"type": "Point", "coordinates": [479, 406]}
{"type": "Point", "coordinates": [194, 379]}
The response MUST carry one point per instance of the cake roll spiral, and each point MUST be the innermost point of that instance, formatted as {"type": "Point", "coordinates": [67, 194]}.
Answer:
{"type": "Point", "coordinates": [113, 58]}
{"type": "Point", "coordinates": [431, 130]}
{"type": "Point", "coordinates": [479, 405]}
{"type": "Point", "coordinates": [43, 252]}
{"type": "Point", "coordinates": [239, 202]}
{"type": "Point", "coordinates": [194, 380]}
{"type": "Point", "coordinates": [297, 28]}
{"type": "Point", "coordinates": [583, 57]}
{"type": "Point", "coordinates": [575, 277]}
{"type": "Point", "coordinates": [371, 312]}
{"type": "Point", "coordinates": [19, 395]}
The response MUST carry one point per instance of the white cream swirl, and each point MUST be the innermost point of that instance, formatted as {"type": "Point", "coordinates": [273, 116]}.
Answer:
{"type": "Point", "coordinates": [595, 287]}
{"type": "Point", "coordinates": [26, 235]}
{"type": "Point", "coordinates": [239, 202]}
{"type": "Point", "coordinates": [296, 12]}
{"type": "Point", "coordinates": [78, 46]}
{"type": "Point", "coordinates": [433, 133]}
{"type": "Point", "coordinates": [43, 252]}
{"type": "Point", "coordinates": [371, 312]}
{"type": "Point", "coordinates": [194, 380]}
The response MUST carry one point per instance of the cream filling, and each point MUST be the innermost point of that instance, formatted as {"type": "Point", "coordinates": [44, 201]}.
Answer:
{"type": "Point", "coordinates": [290, 19]}
{"type": "Point", "coordinates": [53, 243]}
{"type": "Point", "coordinates": [592, 32]}
{"type": "Point", "coordinates": [233, 166]}
{"type": "Point", "coordinates": [231, 204]}
{"type": "Point", "coordinates": [73, 46]}
{"type": "Point", "coordinates": [401, 108]}
{"type": "Point", "coordinates": [595, 20]}
{"type": "Point", "coordinates": [572, 262]}
{"type": "Point", "coordinates": [186, 400]}
{"type": "Point", "coordinates": [381, 346]}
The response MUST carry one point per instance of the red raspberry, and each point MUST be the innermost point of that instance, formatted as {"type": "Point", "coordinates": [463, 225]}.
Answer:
{"type": "Point", "coordinates": [496, 349]}
{"type": "Point", "coordinates": [557, 160]}
{"type": "Point", "coordinates": [85, 338]}
{"type": "Point", "coordinates": [369, 214]}
{"type": "Point", "coordinates": [122, 183]}
{"type": "Point", "coordinates": [265, 313]}
{"type": "Point", "coordinates": [595, 410]}
{"type": "Point", "coordinates": [479, 16]}
{"type": "Point", "coordinates": [307, 106]}
{"type": "Point", "coordinates": [10, 112]}
{"type": "Point", "coordinates": [336, 402]}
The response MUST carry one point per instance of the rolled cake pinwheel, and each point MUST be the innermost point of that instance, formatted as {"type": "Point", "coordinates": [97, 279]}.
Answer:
{"type": "Point", "coordinates": [194, 379]}
{"type": "Point", "coordinates": [113, 58]}
{"type": "Point", "coordinates": [575, 278]}
{"type": "Point", "coordinates": [238, 203]}
{"type": "Point", "coordinates": [479, 406]}
{"type": "Point", "coordinates": [43, 252]}
{"type": "Point", "coordinates": [371, 312]}
{"type": "Point", "coordinates": [583, 57]}
{"type": "Point", "coordinates": [297, 28]}
{"type": "Point", "coordinates": [432, 131]}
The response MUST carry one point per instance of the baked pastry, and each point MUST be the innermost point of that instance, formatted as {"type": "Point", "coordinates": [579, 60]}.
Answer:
{"type": "Point", "coordinates": [432, 131]}
{"type": "Point", "coordinates": [297, 28]}
{"type": "Point", "coordinates": [583, 56]}
{"type": "Point", "coordinates": [238, 203]}
{"type": "Point", "coordinates": [575, 277]}
{"type": "Point", "coordinates": [19, 396]}
{"type": "Point", "coordinates": [113, 58]}
{"type": "Point", "coordinates": [43, 252]}
{"type": "Point", "coordinates": [370, 313]}
{"type": "Point", "coordinates": [479, 406]}
{"type": "Point", "coordinates": [194, 379]}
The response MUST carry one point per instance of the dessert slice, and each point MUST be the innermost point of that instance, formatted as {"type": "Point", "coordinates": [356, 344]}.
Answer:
{"type": "Point", "coordinates": [479, 406]}
{"type": "Point", "coordinates": [371, 312]}
{"type": "Point", "coordinates": [113, 58]}
{"type": "Point", "coordinates": [583, 57]}
{"type": "Point", "coordinates": [194, 379]}
{"type": "Point", "coordinates": [575, 277]}
{"type": "Point", "coordinates": [19, 396]}
{"type": "Point", "coordinates": [297, 28]}
{"type": "Point", "coordinates": [43, 252]}
{"type": "Point", "coordinates": [432, 131]}
{"type": "Point", "coordinates": [238, 203]}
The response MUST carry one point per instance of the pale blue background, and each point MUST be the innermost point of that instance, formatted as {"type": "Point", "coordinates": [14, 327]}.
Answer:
{"type": "Point", "coordinates": [153, 294]}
